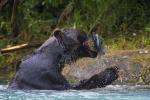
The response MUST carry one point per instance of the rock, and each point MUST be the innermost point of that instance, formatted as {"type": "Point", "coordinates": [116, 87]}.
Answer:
{"type": "Point", "coordinates": [129, 73]}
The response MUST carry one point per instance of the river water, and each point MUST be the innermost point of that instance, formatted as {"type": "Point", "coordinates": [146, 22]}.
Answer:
{"type": "Point", "coordinates": [112, 92]}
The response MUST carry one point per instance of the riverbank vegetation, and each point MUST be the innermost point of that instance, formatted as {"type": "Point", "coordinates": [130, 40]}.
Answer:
{"type": "Point", "coordinates": [122, 24]}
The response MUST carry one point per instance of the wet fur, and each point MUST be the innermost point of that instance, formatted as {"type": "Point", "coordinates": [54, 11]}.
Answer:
{"type": "Point", "coordinates": [42, 69]}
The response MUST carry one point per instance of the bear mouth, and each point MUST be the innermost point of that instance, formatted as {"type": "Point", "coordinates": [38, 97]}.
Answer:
{"type": "Point", "coordinates": [84, 50]}
{"type": "Point", "coordinates": [89, 52]}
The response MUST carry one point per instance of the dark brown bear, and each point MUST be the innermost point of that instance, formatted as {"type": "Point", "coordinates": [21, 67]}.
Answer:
{"type": "Point", "coordinates": [41, 69]}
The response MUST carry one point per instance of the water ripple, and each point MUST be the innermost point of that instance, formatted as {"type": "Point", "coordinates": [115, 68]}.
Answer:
{"type": "Point", "coordinates": [117, 92]}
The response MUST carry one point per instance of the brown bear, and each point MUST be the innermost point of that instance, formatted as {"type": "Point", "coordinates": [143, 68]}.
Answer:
{"type": "Point", "coordinates": [42, 69]}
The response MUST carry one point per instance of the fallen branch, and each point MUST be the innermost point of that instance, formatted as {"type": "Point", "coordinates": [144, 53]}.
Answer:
{"type": "Point", "coordinates": [19, 47]}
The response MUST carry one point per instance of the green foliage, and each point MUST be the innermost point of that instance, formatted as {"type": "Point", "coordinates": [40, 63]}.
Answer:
{"type": "Point", "coordinates": [4, 26]}
{"type": "Point", "coordinates": [111, 17]}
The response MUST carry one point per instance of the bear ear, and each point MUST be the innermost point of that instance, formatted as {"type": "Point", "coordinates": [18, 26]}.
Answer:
{"type": "Point", "coordinates": [57, 32]}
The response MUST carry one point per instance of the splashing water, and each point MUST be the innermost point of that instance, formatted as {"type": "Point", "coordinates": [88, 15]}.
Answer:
{"type": "Point", "coordinates": [111, 92]}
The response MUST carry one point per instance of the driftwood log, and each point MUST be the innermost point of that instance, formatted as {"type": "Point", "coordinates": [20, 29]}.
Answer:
{"type": "Point", "coordinates": [19, 47]}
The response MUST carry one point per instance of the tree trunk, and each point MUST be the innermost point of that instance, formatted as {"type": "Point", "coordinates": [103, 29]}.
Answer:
{"type": "Point", "coordinates": [2, 3]}
{"type": "Point", "coordinates": [14, 21]}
